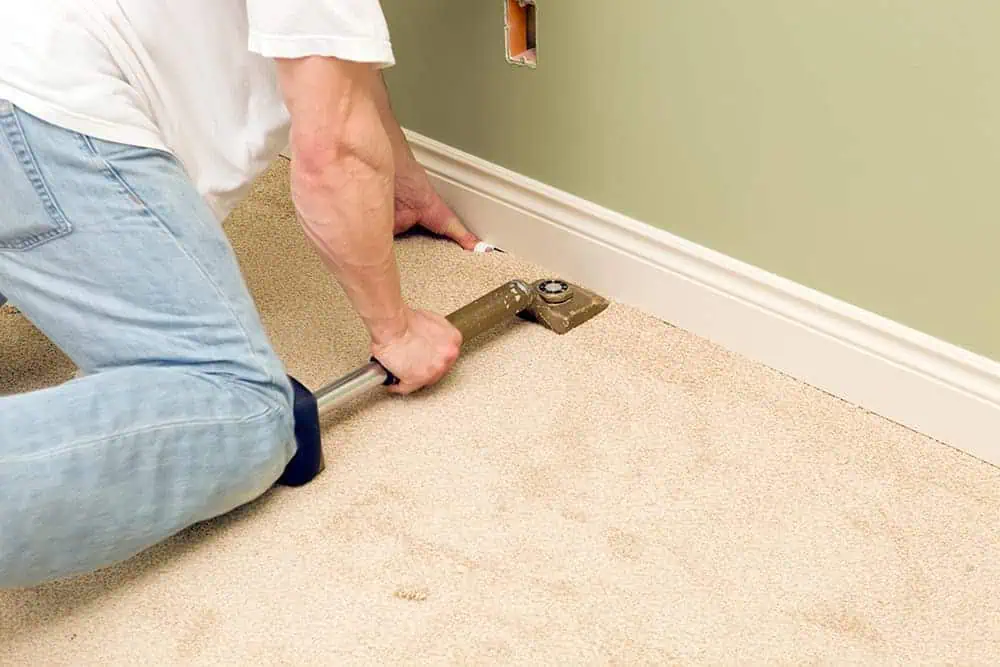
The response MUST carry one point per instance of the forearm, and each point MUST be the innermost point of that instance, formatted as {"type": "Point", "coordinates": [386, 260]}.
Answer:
{"type": "Point", "coordinates": [416, 199]}
{"type": "Point", "coordinates": [342, 185]}
{"type": "Point", "coordinates": [401, 152]}
{"type": "Point", "coordinates": [347, 215]}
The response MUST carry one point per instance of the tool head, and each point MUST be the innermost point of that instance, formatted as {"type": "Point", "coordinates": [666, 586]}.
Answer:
{"type": "Point", "coordinates": [561, 306]}
{"type": "Point", "coordinates": [553, 303]}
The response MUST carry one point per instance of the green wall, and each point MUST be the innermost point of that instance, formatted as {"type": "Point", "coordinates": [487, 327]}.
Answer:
{"type": "Point", "coordinates": [850, 145]}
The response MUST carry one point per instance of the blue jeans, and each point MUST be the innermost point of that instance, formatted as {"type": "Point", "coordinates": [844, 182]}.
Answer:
{"type": "Point", "coordinates": [183, 411]}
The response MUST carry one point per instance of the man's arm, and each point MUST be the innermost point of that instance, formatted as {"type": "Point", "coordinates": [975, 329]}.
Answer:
{"type": "Point", "coordinates": [342, 182]}
{"type": "Point", "coordinates": [416, 200]}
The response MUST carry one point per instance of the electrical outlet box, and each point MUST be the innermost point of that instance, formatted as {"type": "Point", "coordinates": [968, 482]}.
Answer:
{"type": "Point", "coordinates": [521, 32]}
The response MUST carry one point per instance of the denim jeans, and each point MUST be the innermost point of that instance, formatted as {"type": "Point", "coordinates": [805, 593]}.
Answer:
{"type": "Point", "coordinates": [182, 411]}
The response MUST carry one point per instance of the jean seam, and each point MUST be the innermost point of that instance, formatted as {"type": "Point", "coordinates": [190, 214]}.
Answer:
{"type": "Point", "coordinates": [13, 132]}
{"type": "Point", "coordinates": [116, 176]}
{"type": "Point", "coordinates": [85, 444]}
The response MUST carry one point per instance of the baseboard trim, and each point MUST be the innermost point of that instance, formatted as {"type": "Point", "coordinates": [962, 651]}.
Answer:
{"type": "Point", "coordinates": [922, 382]}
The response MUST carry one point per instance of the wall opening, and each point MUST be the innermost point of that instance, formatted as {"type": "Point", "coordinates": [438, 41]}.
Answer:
{"type": "Point", "coordinates": [520, 32]}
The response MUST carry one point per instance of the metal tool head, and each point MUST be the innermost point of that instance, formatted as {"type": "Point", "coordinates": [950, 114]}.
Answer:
{"type": "Point", "coordinates": [562, 306]}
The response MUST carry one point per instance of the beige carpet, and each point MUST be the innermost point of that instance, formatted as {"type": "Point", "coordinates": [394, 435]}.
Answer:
{"type": "Point", "coordinates": [626, 494]}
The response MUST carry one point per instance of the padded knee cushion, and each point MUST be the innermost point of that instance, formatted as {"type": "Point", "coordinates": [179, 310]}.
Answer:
{"type": "Point", "coordinates": [307, 462]}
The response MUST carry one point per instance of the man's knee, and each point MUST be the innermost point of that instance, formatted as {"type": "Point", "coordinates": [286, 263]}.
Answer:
{"type": "Point", "coordinates": [271, 405]}
{"type": "Point", "coordinates": [155, 482]}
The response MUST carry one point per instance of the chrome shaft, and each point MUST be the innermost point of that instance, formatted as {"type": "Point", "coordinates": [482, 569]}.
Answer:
{"type": "Point", "coordinates": [353, 384]}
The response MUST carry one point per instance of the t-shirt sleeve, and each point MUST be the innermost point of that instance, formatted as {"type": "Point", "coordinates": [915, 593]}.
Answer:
{"type": "Point", "coordinates": [353, 30]}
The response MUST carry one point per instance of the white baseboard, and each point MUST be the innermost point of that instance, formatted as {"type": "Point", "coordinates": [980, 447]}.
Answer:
{"type": "Point", "coordinates": [911, 378]}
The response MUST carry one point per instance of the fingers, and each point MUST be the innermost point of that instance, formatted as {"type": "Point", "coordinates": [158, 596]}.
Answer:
{"type": "Point", "coordinates": [430, 376]}
{"type": "Point", "coordinates": [432, 352]}
{"type": "Point", "coordinates": [451, 227]}
{"type": "Point", "coordinates": [457, 232]}
{"type": "Point", "coordinates": [403, 389]}
{"type": "Point", "coordinates": [442, 221]}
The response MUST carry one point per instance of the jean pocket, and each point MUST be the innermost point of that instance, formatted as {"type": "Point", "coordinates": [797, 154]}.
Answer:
{"type": "Point", "coordinates": [29, 214]}
{"type": "Point", "coordinates": [30, 232]}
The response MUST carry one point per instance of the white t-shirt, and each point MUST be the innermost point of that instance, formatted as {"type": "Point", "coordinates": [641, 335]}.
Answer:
{"type": "Point", "coordinates": [193, 77]}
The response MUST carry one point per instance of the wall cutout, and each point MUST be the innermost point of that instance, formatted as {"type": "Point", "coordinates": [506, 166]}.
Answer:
{"type": "Point", "coordinates": [519, 31]}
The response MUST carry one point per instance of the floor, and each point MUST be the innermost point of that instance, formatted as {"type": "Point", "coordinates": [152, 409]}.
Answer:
{"type": "Point", "coordinates": [625, 494]}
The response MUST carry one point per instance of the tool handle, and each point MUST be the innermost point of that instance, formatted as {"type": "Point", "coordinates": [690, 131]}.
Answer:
{"type": "Point", "coordinates": [358, 381]}
{"type": "Point", "coordinates": [472, 319]}
{"type": "Point", "coordinates": [481, 315]}
{"type": "Point", "coordinates": [491, 309]}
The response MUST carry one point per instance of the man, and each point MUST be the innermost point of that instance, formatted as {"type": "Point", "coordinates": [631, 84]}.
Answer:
{"type": "Point", "coordinates": [128, 131]}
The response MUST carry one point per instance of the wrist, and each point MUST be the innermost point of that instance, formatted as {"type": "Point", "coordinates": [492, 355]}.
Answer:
{"type": "Point", "coordinates": [386, 330]}
{"type": "Point", "coordinates": [410, 175]}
